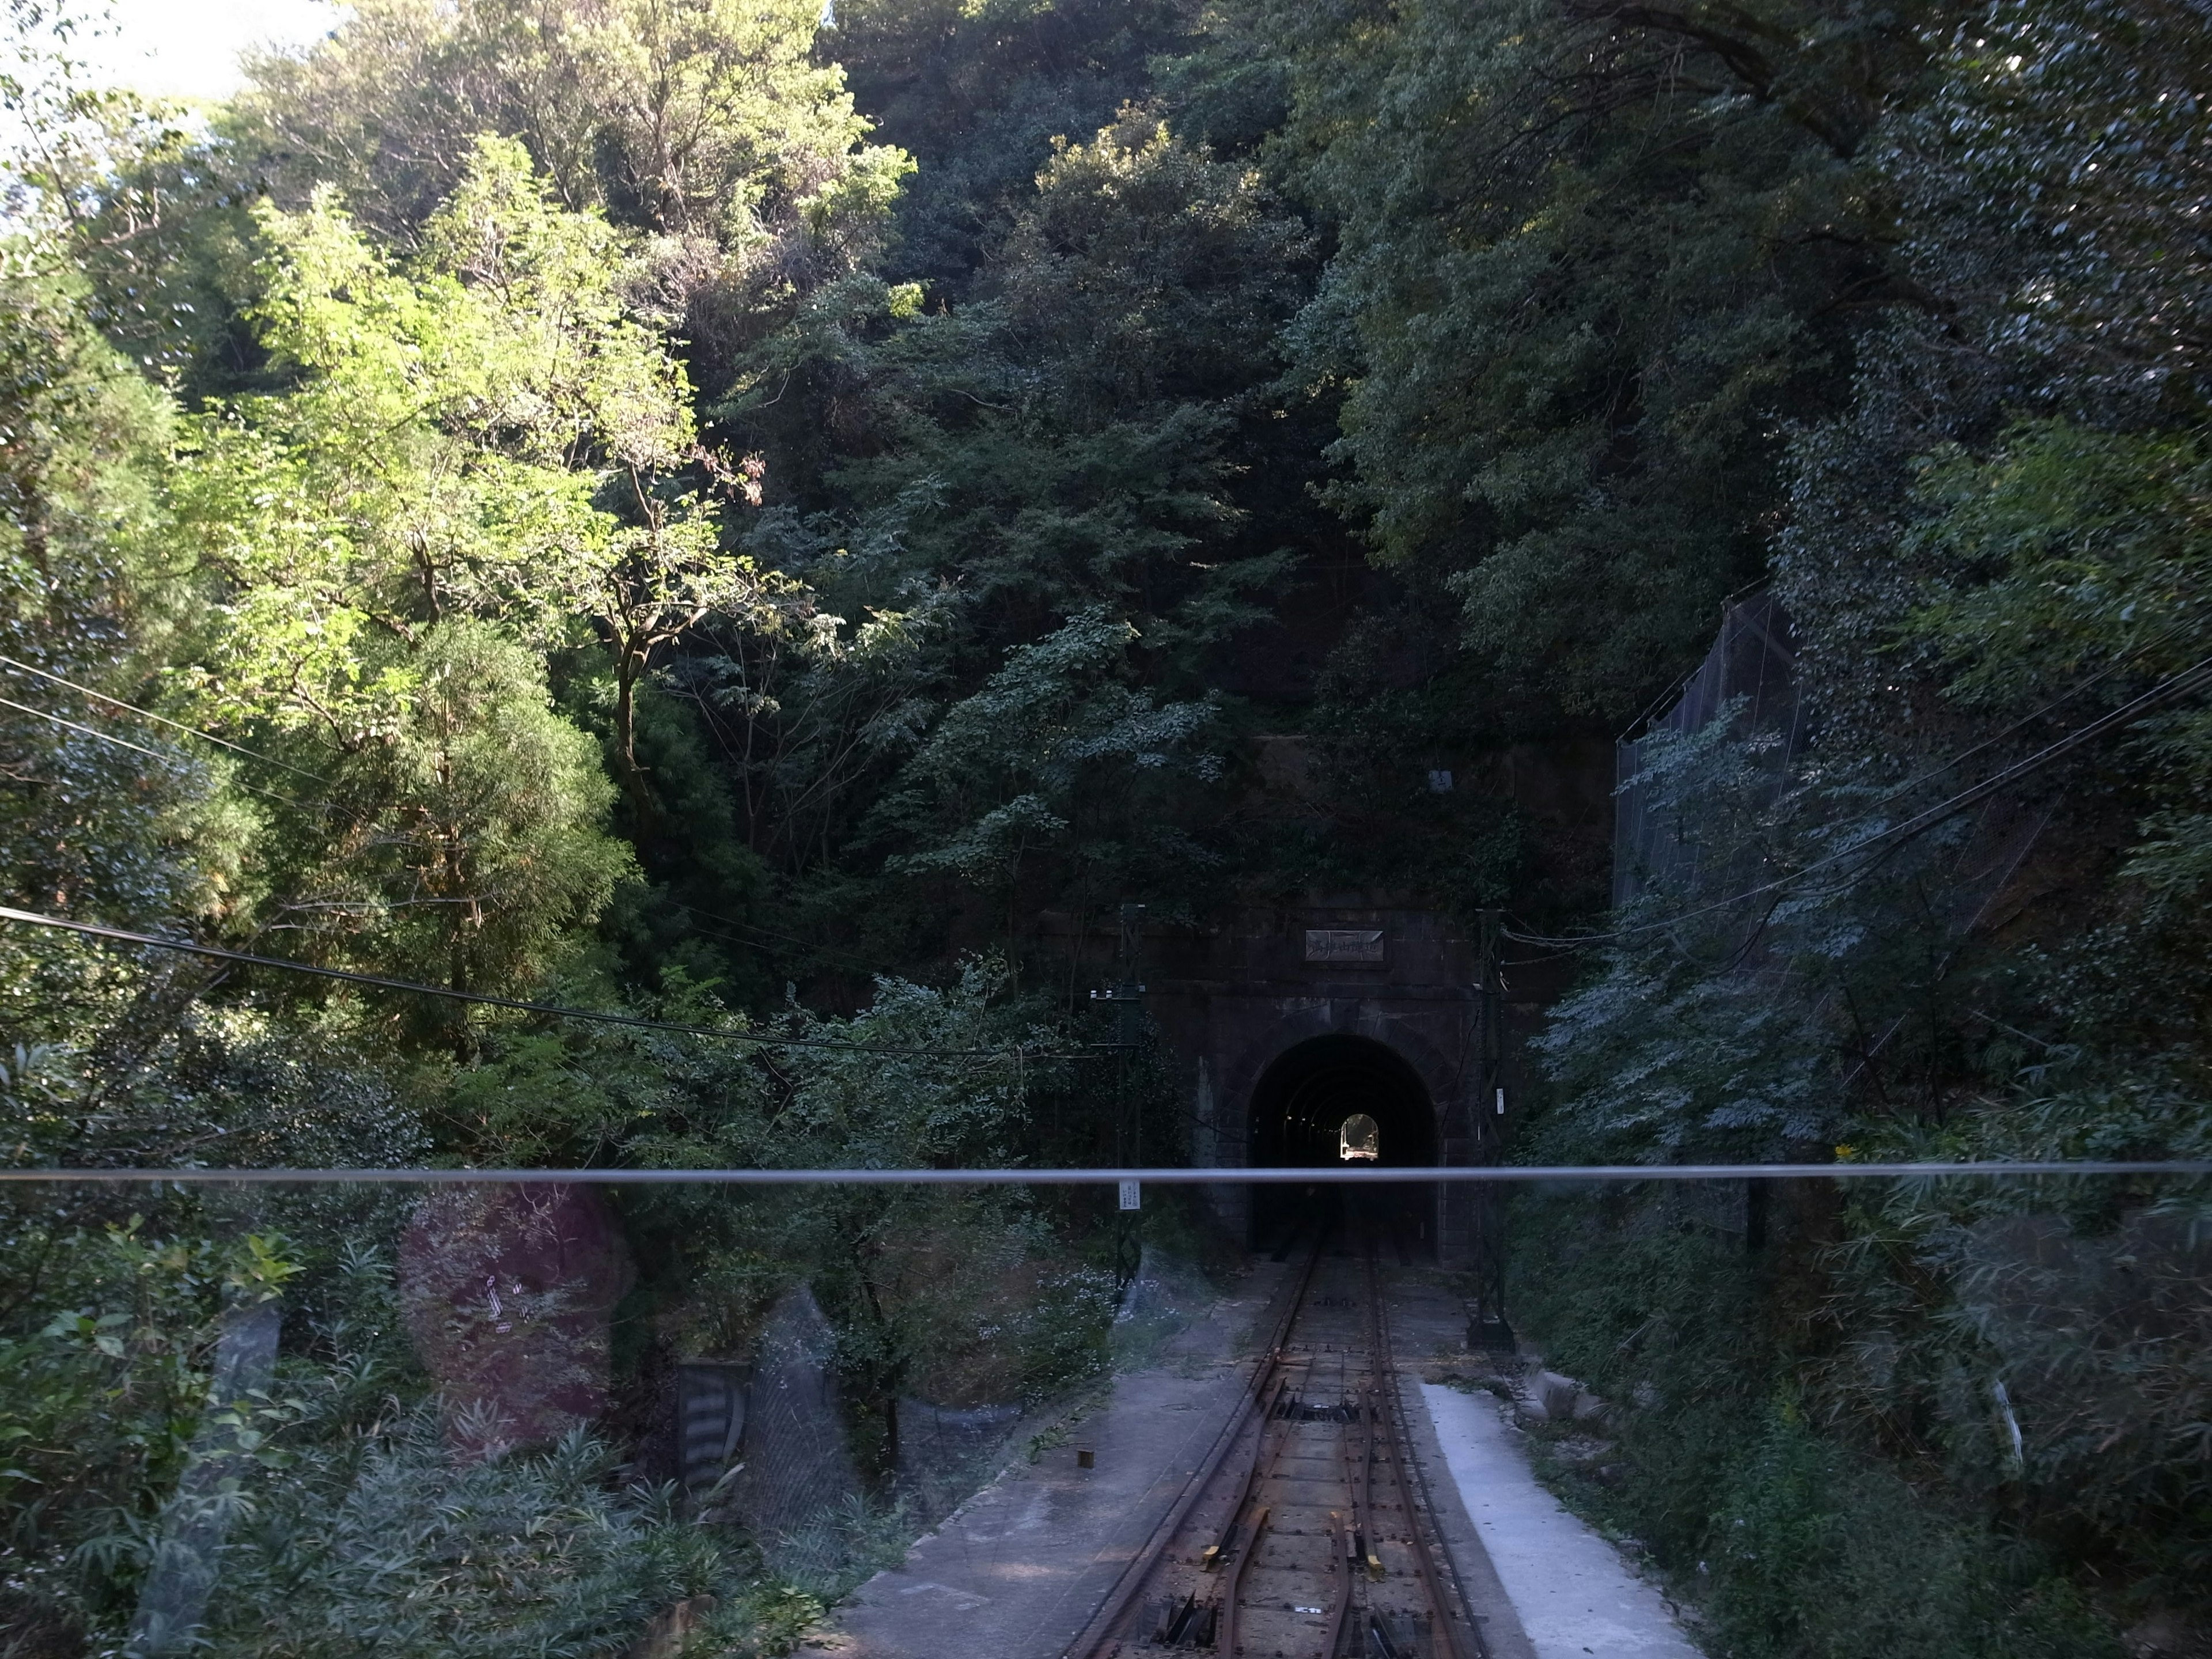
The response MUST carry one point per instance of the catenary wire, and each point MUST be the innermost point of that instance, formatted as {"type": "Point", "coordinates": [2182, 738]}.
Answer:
{"type": "Point", "coordinates": [152, 754]}
{"type": "Point", "coordinates": [86, 730]}
{"type": "Point", "coordinates": [1321, 1175]}
{"type": "Point", "coordinates": [788, 938]}
{"type": "Point", "coordinates": [636, 1022]}
{"type": "Point", "coordinates": [103, 737]}
{"type": "Point", "coordinates": [192, 731]}
{"type": "Point", "coordinates": [2188, 680]}
{"type": "Point", "coordinates": [161, 719]}
{"type": "Point", "coordinates": [2031, 717]}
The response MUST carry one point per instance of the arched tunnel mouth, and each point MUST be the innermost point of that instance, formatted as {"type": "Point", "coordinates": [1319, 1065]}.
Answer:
{"type": "Point", "coordinates": [1304, 1113]}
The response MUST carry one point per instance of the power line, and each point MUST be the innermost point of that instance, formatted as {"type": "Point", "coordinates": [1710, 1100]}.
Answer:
{"type": "Point", "coordinates": [2032, 715]}
{"type": "Point", "coordinates": [1319, 1176]}
{"type": "Point", "coordinates": [636, 1022]}
{"type": "Point", "coordinates": [2188, 680]}
{"type": "Point", "coordinates": [159, 719]}
{"type": "Point", "coordinates": [86, 730]}
{"type": "Point", "coordinates": [151, 754]}
{"type": "Point", "coordinates": [238, 748]}
{"type": "Point", "coordinates": [788, 938]}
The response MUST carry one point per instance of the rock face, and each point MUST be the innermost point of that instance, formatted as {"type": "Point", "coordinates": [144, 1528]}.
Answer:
{"type": "Point", "coordinates": [2167, 1634]}
{"type": "Point", "coordinates": [509, 1293]}
{"type": "Point", "coordinates": [1548, 1397]}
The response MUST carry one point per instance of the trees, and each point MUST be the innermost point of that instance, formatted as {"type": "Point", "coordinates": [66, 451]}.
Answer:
{"type": "Point", "coordinates": [705, 124]}
{"type": "Point", "coordinates": [1590, 259]}
{"type": "Point", "coordinates": [1054, 760]}
{"type": "Point", "coordinates": [623, 517]}
{"type": "Point", "coordinates": [1997, 537]}
{"type": "Point", "coordinates": [684, 117]}
{"type": "Point", "coordinates": [1023, 507]}
{"type": "Point", "coordinates": [385, 543]}
{"type": "Point", "coordinates": [977, 93]}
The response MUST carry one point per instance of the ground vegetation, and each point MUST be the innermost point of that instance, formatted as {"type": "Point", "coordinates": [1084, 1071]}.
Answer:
{"type": "Point", "coordinates": [771, 521]}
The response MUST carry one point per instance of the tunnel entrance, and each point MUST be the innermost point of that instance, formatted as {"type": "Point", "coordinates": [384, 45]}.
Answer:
{"type": "Point", "coordinates": [1307, 1111]}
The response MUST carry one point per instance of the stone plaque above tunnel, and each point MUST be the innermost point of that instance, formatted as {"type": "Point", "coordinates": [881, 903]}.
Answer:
{"type": "Point", "coordinates": [1344, 944]}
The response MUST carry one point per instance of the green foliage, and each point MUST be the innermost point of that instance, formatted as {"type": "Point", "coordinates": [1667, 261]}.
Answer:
{"type": "Point", "coordinates": [1817, 1393]}
{"type": "Point", "coordinates": [2069, 552]}
{"type": "Point", "coordinates": [1015, 485]}
{"type": "Point", "coordinates": [978, 92]}
{"type": "Point", "coordinates": [707, 117]}
{"type": "Point", "coordinates": [105, 1370]}
{"type": "Point", "coordinates": [1793, 1541]}
{"type": "Point", "coordinates": [1050, 741]}
{"type": "Point", "coordinates": [1997, 539]}
{"type": "Point", "coordinates": [409, 1549]}
{"type": "Point", "coordinates": [83, 454]}
{"type": "Point", "coordinates": [710, 125]}
{"type": "Point", "coordinates": [643, 538]}
{"type": "Point", "coordinates": [1816, 1552]}
{"type": "Point", "coordinates": [1147, 270]}
{"type": "Point", "coordinates": [950, 1296]}
{"type": "Point", "coordinates": [491, 854]}
{"type": "Point", "coordinates": [1588, 258]}
{"type": "Point", "coordinates": [439, 453]}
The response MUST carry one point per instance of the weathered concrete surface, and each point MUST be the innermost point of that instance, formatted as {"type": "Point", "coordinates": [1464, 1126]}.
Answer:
{"type": "Point", "coordinates": [1015, 1571]}
{"type": "Point", "coordinates": [1428, 1321]}
{"type": "Point", "coordinates": [1575, 1597]}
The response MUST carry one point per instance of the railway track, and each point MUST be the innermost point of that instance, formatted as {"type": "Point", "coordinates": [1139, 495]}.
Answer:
{"type": "Point", "coordinates": [1305, 1532]}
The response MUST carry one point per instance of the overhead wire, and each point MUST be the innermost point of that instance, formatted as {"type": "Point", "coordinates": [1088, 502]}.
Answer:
{"type": "Point", "coordinates": [788, 938]}
{"type": "Point", "coordinates": [13, 663]}
{"type": "Point", "coordinates": [382, 982]}
{"type": "Point", "coordinates": [1566, 946]}
{"type": "Point", "coordinates": [152, 754]}
{"type": "Point", "coordinates": [2028, 719]}
{"type": "Point", "coordinates": [2188, 680]}
{"type": "Point", "coordinates": [123, 935]}
{"type": "Point", "coordinates": [87, 731]}
{"type": "Point", "coordinates": [159, 719]}
{"type": "Point", "coordinates": [1022, 1175]}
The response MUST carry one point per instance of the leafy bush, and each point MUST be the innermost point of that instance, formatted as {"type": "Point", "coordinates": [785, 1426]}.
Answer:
{"type": "Point", "coordinates": [409, 1549]}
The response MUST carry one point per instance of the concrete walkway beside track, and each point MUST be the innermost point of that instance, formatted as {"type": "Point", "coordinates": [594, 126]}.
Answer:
{"type": "Point", "coordinates": [1015, 1571]}
{"type": "Point", "coordinates": [1573, 1595]}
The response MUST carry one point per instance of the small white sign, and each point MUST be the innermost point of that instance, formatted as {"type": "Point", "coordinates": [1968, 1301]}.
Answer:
{"type": "Point", "coordinates": [1132, 1194]}
{"type": "Point", "coordinates": [1344, 944]}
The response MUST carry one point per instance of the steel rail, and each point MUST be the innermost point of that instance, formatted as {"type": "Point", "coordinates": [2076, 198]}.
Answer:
{"type": "Point", "coordinates": [1344, 1552]}
{"type": "Point", "coordinates": [1262, 1467]}
{"type": "Point", "coordinates": [1340, 1566]}
{"type": "Point", "coordinates": [1427, 1543]}
{"type": "Point", "coordinates": [1372, 1421]}
{"type": "Point", "coordinates": [1100, 1630]}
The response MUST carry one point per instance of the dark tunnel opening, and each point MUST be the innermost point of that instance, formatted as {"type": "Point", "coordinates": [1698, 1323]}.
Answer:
{"type": "Point", "coordinates": [1305, 1113]}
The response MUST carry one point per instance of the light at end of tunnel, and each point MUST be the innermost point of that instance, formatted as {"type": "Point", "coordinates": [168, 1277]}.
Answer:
{"type": "Point", "coordinates": [1359, 1137]}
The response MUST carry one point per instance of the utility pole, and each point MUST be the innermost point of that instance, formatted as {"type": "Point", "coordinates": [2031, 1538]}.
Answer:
{"type": "Point", "coordinates": [1487, 1326]}
{"type": "Point", "coordinates": [1128, 997]}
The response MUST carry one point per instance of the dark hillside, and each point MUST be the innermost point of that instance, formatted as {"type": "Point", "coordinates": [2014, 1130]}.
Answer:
{"type": "Point", "coordinates": [784, 525]}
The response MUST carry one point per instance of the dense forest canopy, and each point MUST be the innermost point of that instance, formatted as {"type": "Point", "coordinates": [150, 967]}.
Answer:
{"type": "Point", "coordinates": [774, 519]}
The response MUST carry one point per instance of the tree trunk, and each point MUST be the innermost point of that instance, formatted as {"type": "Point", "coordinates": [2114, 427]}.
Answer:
{"type": "Point", "coordinates": [630, 669]}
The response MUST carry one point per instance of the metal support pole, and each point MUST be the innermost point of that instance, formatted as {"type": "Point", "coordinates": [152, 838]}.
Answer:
{"type": "Point", "coordinates": [1487, 1324]}
{"type": "Point", "coordinates": [1128, 997]}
